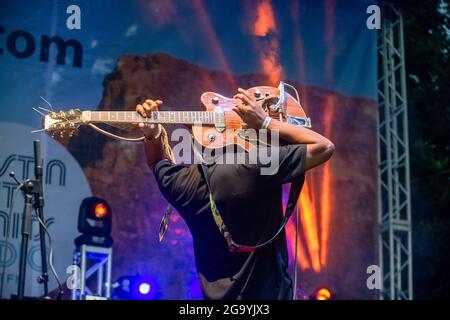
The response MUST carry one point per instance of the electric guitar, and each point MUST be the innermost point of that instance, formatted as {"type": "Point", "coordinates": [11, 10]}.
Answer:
{"type": "Point", "coordinates": [215, 127]}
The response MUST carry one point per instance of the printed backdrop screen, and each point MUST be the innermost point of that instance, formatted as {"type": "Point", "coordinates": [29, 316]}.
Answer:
{"type": "Point", "coordinates": [110, 54]}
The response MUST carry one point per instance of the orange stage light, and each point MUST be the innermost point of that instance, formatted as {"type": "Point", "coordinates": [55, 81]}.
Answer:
{"type": "Point", "coordinates": [100, 210]}
{"type": "Point", "coordinates": [322, 294]}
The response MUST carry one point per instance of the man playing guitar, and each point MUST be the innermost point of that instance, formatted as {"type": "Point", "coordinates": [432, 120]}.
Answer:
{"type": "Point", "coordinates": [249, 203]}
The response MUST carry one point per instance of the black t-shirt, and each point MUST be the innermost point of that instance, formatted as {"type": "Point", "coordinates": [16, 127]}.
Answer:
{"type": "Point", "coordinates": [251, 206]}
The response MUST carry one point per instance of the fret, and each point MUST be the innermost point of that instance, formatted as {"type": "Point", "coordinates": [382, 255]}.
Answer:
{"type": "Point", "coordinates": [186, 117]}
{"type": "Point", "coordinates": [155, 117]}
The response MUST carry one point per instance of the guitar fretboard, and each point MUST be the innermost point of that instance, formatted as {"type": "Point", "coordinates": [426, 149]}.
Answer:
{"type": "Point", "coordinates": [185, 117]}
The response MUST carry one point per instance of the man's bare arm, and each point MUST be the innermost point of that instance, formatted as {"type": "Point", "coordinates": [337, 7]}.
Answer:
{"type": "Point", "coordinates": [318, 150]}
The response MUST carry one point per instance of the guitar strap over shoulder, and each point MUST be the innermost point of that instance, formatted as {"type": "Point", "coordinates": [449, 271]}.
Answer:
{"type": "Point", "coordinates": [294, 193]}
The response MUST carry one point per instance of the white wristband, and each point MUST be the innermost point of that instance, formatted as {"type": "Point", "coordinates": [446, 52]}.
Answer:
{"type": "Point", "coordinates": [266, 122]}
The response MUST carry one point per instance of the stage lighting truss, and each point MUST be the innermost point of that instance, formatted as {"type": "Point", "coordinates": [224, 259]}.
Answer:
{"type": "Point", "coordinates": [94, 262]}
{"type": "Point", "coordinates": [93, 253]}
{"type": "Point", "coordinates": [394, 203]}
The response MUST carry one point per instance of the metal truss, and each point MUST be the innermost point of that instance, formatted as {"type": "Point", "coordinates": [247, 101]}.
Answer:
{"type": "Point", "coordinates": [92, 261]}
{"type": "Point", "coordinates": [394, 203]}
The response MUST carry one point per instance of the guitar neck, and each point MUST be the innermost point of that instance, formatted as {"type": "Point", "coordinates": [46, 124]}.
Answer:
{"type": "Point", "coordinates": [175, 117]}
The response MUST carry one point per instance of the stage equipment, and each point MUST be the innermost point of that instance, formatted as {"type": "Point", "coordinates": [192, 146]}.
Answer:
{"type": "Point", "coordinates": [322, 294]}
{"type": "Point", "coordinates": [94, 223]}
{"type": "Point", "coordinates": [394, 196]}
{"type": "Point", "coordinates": [93, 254]}
{"type": "Point", "coordinates": [134, 287]}
{"type": "Point", "coordinates": [34, 199]}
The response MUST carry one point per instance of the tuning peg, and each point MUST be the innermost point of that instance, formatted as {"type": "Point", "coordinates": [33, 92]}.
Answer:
{"type": "Point", "coordinates": [61, 134]}
{"type": "Point", "coordinates": [71, 133]}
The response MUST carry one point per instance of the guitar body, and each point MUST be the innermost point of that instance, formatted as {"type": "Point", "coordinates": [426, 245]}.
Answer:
{"type": "Point", "coordinates": [235, 132]}
{"type": "Point", "coordinates": [208, 136]}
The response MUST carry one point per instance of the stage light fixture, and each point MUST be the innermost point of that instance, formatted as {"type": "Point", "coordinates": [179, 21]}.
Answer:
{"type": "Point", "coordinates": [94, 217]}
{"type": "Point", "coordinates": [322, 294]}
{"type": "Point", "coordinates": [100, 210]}
{"type": "Point", "coordinates": [94, 223]}
{"type": "Point", "coordinates": [144, 288]}
{"type": "Point", "coordinates": [134, 288]}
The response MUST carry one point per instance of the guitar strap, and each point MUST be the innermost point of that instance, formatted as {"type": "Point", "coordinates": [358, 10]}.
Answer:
{"type": "Point", "coordinates": [294, 193]}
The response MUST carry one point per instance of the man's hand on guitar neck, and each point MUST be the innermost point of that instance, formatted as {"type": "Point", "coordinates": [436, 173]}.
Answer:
{"type": "Point", "coordinates": [154, 147]}
{"type": "Point", "coordinates": [145, 110]}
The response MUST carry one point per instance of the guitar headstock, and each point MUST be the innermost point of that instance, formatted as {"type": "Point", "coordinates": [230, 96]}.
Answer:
{"type": "Point", "coordinates": [57, 123]}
